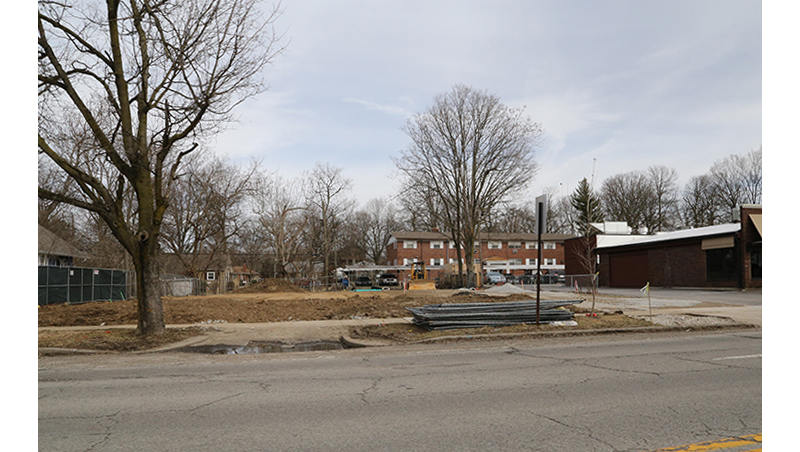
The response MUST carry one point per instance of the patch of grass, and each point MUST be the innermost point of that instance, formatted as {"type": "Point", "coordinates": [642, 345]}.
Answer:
{"type": "Point", "coordinates": [405, 333]}
{"type": "Point", "coordinates": [116, 339]}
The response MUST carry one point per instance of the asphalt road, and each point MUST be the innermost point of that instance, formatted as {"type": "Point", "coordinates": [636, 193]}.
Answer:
{"type": "Point", "coordinates": [628, 393]}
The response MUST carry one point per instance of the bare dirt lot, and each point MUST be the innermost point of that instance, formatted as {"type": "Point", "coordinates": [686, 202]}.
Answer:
{"type": "Point", "coordinates": [279, 301]}
{"type": "Point", "coordinates": [272, 301]}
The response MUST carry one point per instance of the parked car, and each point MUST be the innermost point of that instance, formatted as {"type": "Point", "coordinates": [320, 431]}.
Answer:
{"type": "Point", "coordinates": [560, 276]}
{"type": "Point", "coordinates": [363, 281]}
{"type": "Point", "coordinates": [495, 278]}
{"type": "Point", "coordinates": [511, 279]}
{"type": "Point", "coordinates": [387, 280]}
{"type": "Point", "coordinates": [526, 279]}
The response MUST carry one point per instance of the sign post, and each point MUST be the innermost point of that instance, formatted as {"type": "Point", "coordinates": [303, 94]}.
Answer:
{"type": "Point", "coordinates": [541, 227]}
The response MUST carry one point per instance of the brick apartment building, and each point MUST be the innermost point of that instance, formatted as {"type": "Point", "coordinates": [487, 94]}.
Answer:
{"type": "Point", "coordinates": [507, 253]}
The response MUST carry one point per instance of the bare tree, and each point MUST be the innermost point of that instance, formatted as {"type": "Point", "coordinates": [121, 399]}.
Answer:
{"type": "Point", "coordinates": [472, 152]}
{"type": "Point", "coordinates": [514, 218]}
{"type": "Point", "coordinates": [661, 213]}
{"type": "Point", "coordinates": [207, 212]}
{"type": "Point", "coordinates": [147, 78]}
{"type": "Point", "coordinates": [280, 209]}
{"type": "Point", "coordinates": [698, 203]}
{"type": "Point", "coordinates": [560, 213]}
{"type": "Point", "coordinates": [422, 210]}
{"type": "Point", "coordinates": [737, 180]}
{"type": "Point", "coordinates": [378, 218]}
{"type": "Point", "coordinates": [328, 203]}
{"type": "Point", "coordinates": [626, 197]}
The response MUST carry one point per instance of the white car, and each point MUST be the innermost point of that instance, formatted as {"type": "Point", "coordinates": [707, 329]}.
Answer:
{"type": "Point", "coordinates": [495, 278]}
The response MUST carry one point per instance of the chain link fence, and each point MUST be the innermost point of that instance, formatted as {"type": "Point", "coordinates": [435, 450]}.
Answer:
{"type": "Point", "coordinates": [320, 283]}
{"type": "Point", "coordinates": [181, 286]}
{"type": "Point", "coordinates": [581, 283]}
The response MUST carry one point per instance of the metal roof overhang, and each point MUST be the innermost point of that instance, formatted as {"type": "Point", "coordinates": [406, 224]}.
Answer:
{"type": "Point", "coordinates": [756, 219]}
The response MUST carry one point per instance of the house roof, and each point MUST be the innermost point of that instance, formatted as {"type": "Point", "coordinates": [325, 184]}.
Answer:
{"type": "Point", "coordinates": [485, 236]}
{"type": "Point", "coordinates": [53, 245]}
{"type": "Point", "coordinates": [722, 229]}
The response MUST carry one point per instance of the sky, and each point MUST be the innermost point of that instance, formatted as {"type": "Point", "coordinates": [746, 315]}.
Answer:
{"type": "Point", "coordinates": [618, 86]}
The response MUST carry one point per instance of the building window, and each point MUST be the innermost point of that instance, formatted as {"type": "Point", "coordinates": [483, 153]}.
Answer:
{"type": "Point", "coordinates": [515, 261]}
{"type": "Point", "coordinates": [495, 245]}
{"type": "Point", "coordinates": [437, 245]}
{"type": "Point", "coordinates": [531, 246]}
{"type": "Point", "coordinates": [409, 244]}
{"type": "Point", "coordinates": [437, 261]}
{"type": "Point", "coordinates": [211, 276]}
{"type": "Point", "coordinates": [721, 265]}
{"type": "Point", "coordinates": [549, 262]}
{"type": "Point", "coordinates": [514, 245]}
{"type": "Point", "coordinates": [531, 261]}
{"type": "Point", "coordinates": [549, 245]}
{"type": "Point", "coordinates": [405, 262]}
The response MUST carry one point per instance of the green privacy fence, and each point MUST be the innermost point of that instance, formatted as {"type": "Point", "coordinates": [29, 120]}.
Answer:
{"type": "Point", "coordinates": [80, 285]}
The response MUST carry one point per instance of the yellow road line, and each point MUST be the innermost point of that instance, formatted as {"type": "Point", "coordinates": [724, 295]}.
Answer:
{"type": "Point", "coordinates": [726, 443]}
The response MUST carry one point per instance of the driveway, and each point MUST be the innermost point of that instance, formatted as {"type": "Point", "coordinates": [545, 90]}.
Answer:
{"type": "Point", "coordinates": [742, 306]}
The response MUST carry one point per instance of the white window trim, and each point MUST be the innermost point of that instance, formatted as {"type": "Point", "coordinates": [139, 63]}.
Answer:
{"type": "Point", "coordinates": [409, 244]}
{"type": "Point", "coordinates": [494, 245]}
{"type": "Point", "coordinates": [440, 244]}
{"type": "Point", "coordinates": [211, 276]}
{"type": "Point", "coordinates": [531, 245]}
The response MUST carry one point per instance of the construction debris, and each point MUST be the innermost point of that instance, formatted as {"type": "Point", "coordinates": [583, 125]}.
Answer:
{"type": "Point", "coordinates": [476, 315]}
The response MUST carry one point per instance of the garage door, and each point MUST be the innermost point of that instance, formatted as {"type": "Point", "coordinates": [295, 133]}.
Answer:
{"type": "Point", "coordinates": [628, 269]}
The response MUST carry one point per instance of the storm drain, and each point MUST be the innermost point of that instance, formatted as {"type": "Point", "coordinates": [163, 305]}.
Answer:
{"type": "Point", "coordinates": [255, 347]}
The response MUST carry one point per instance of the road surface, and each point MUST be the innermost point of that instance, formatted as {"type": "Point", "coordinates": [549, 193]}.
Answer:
{"type": "Point", "coordinates": [629, 393]}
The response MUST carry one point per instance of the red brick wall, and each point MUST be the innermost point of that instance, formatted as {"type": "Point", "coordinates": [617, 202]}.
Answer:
{"type": "Point", "coordinates": [396, 252]}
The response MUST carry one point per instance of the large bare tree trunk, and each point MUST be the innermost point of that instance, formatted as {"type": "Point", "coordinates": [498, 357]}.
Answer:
{"type": "Point", "coordinates": [148, 296]}
{"type": "Point", "coordinates": [145, 80]}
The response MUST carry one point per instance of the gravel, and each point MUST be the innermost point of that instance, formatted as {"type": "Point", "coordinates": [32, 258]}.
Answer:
{"type": "Point", "coordinates": [687, 320]}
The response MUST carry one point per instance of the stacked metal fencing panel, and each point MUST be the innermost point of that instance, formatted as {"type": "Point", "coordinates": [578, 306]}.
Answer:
{"type": "Point", "coordinates": [80, 285]}
{"type": "Point", "coordinates": [476, 315]}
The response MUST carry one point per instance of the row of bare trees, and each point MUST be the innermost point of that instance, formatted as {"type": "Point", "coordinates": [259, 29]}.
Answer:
{"type": "Point", "coordinates": [282, 227]}
{"type": "Point", "coordinates": [649, 201]}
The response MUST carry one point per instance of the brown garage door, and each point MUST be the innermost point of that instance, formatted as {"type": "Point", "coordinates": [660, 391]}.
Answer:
{"type": "Point", "coordinates": [628, 269]}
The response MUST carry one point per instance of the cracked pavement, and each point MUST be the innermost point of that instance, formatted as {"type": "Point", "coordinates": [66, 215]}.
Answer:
{"type": "Point", "coordinates": [602, 394]}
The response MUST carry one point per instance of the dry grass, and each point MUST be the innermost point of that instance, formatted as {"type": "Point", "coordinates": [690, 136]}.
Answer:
{"type": "Point", "coordinates": [117, 339]}
{"type": "Point", "coordinates": [406, 333]}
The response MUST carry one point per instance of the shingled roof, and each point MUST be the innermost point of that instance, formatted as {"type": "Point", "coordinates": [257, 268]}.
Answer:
{"type": "Point", "coordinates": [500, 236]}
{"type": "Point", "coordinates": [53, 245]}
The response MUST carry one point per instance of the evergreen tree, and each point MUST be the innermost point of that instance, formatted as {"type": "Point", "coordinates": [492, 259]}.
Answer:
{"type": "Point", "coordinates": [587, 205]}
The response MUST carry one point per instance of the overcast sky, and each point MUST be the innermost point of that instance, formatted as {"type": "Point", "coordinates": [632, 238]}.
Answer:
{"type": "Point", "coordinates": [628, 83]}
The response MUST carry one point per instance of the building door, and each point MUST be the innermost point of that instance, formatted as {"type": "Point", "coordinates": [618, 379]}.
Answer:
{"type": "Point", "coordinates": [628, 269]}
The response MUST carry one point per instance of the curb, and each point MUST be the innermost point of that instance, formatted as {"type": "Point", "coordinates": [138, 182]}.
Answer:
{"type": "Point", "coordinates": [349, 342]}
{"type": "Point", "coordinates": [587, 332]}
